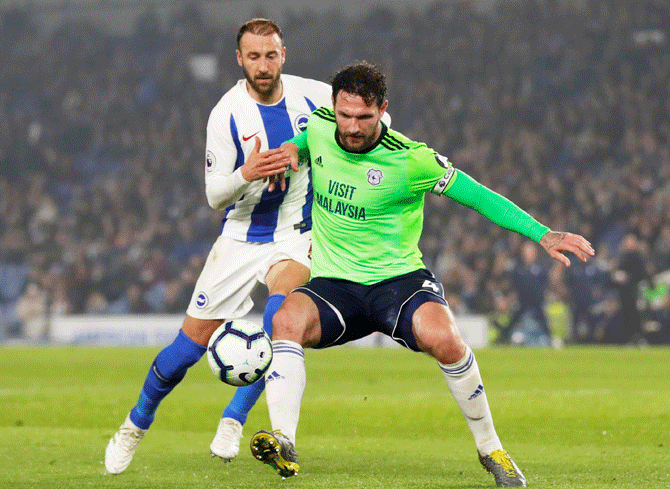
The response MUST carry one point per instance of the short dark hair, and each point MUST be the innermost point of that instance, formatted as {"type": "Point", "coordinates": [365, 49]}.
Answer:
{"type": "Point", "coordinates": [260, 27]}
{"type": "Point", "coordinates": [362, 78]}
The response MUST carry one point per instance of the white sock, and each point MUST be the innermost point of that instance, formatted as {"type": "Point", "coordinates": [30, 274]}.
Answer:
{"type": "Point", "coordinates": [285, 385]}
{"type": "Point", "coordinates": [467, 388]}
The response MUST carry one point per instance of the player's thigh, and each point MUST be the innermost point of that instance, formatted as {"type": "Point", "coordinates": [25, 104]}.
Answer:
{"type": "Point", "coordinates": [231, 272]}
{"type": "Point", "coordinates": [393, 303]}
{"type": "Point", "coordinates": [436, 332]}
{"type": "Point", "coordinates": [286, 275]}
{"type": "Point", "coordinates": [341, 311]}
{"type": "Point", "coordinates": [287, 266]}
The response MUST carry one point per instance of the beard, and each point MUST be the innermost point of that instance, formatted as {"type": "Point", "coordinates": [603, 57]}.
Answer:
{"type": "Point", "coordinates": [356, 143]}
{"type": "Point", "coordinates": [264, 83]}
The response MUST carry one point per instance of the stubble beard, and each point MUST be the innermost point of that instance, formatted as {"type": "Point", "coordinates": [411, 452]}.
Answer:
{"type": "Point", "coordinates": [363, 144]}
{"type": "Point", "coordinates": [266, 91]}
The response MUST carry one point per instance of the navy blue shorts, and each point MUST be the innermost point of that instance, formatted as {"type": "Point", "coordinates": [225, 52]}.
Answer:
{"type": "Point", "coordinates": [349, 311]}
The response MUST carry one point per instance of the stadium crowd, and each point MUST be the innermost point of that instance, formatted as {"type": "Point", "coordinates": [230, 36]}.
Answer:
{"type": "Point", "coordinates": [563, 107]}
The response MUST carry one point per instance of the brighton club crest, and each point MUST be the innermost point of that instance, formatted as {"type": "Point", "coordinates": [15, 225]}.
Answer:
{"type": "Point", "coordinates": [300, 122]}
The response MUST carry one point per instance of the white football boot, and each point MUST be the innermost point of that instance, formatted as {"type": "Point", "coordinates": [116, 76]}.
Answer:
{"type": "Point", "coordinates": [226, 443]}
{"type": "Point", "coordinates": [121, 447]}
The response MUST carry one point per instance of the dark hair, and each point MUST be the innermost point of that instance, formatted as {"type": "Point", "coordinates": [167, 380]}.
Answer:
{"type": "Point", "coordinates": [260, 27]}
{"type": "Point", "coordinates": [362, 78]}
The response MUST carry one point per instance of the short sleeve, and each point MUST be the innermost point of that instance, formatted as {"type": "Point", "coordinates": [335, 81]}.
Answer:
{"type": "Point", "coordinates": [429, 171]}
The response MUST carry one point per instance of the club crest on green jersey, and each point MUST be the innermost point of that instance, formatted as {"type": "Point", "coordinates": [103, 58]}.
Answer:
{"type": "Point", "coordinates": [374, 176]}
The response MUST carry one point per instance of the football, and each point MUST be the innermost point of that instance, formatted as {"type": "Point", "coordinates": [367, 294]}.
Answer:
{"type": "Point", "coordinates": [239, 352]}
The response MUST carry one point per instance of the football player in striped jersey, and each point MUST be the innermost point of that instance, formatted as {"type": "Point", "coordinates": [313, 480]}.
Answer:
{"type": "Point", "coordinates": [265, 235]}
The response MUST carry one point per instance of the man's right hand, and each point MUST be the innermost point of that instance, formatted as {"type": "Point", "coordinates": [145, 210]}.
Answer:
{"type": "Point", "coordinates": [266, 164]}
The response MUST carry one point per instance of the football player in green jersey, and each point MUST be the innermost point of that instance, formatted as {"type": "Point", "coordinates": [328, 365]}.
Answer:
{"type": "Point", "coordinates": [367, 274]}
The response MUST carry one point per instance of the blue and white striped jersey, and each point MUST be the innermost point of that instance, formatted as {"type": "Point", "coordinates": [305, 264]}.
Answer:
{"type": "Point", "coordinates": [252, 213]}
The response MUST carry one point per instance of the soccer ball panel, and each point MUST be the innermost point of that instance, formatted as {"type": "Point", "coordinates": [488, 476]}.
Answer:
{"type": "Point", "coordinates": [239, 352]}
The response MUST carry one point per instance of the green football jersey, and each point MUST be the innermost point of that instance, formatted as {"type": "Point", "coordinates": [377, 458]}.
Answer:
{"type": "Point", "coordinates": [368, 207]}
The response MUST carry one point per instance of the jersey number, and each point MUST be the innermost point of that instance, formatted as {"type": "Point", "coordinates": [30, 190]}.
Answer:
{"type": "Point", "coordinates": [427, 284]}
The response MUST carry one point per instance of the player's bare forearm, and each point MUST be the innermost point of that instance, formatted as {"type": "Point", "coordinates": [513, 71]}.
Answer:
{"type": "Point", "coordinates": [556, 243]}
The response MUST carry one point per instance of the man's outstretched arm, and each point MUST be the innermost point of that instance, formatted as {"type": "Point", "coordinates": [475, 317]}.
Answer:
{"type": "Point", "coordinates": [470, 193]}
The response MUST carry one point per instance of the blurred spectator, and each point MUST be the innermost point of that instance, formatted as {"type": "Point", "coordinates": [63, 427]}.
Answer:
{"type": "Point", "coordinates": [530, 278]}
{"type": "Point", "coordinates": [627, 275]}
{"type": "Point", "coordinates": [661, 249]}
{"type": "Point", "coordinates": [609, 324]}
{"type": "Point", "coordinates": [177, 297]}
{"type": "Point", "coordinates": [656, 319]}
{"type": "Point", "coordinates": [133, 302]}
{"type": "Point", "coordinates": [586, 287]}
{"type": "Point", "coordinates": [96, 303]}
{"type": "Point", "coordinates": [32, 311]}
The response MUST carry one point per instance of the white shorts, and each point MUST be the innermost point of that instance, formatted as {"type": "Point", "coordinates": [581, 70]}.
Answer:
{"type": "Point", "coordinates": [232, 270]}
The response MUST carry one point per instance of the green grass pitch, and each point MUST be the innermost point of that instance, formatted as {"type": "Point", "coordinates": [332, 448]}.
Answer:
{"type": "Point", "coordinates": [371, 418]}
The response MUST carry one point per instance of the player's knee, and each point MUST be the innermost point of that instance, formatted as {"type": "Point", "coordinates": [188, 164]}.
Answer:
{"type": "Point", "coordinates": [436, 333]}
{"type": "Point", "coordinates": [199, 330]}
{"type": "Point", "coordinates": [448, 353]}
{"type": "Point", "coordinates": [287, 324]}
{"type": "Point", "coordinates": [443, 344]}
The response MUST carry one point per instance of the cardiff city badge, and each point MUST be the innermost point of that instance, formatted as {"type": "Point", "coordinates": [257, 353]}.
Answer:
{"type": "Point", "coordinates": [374, 177]}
